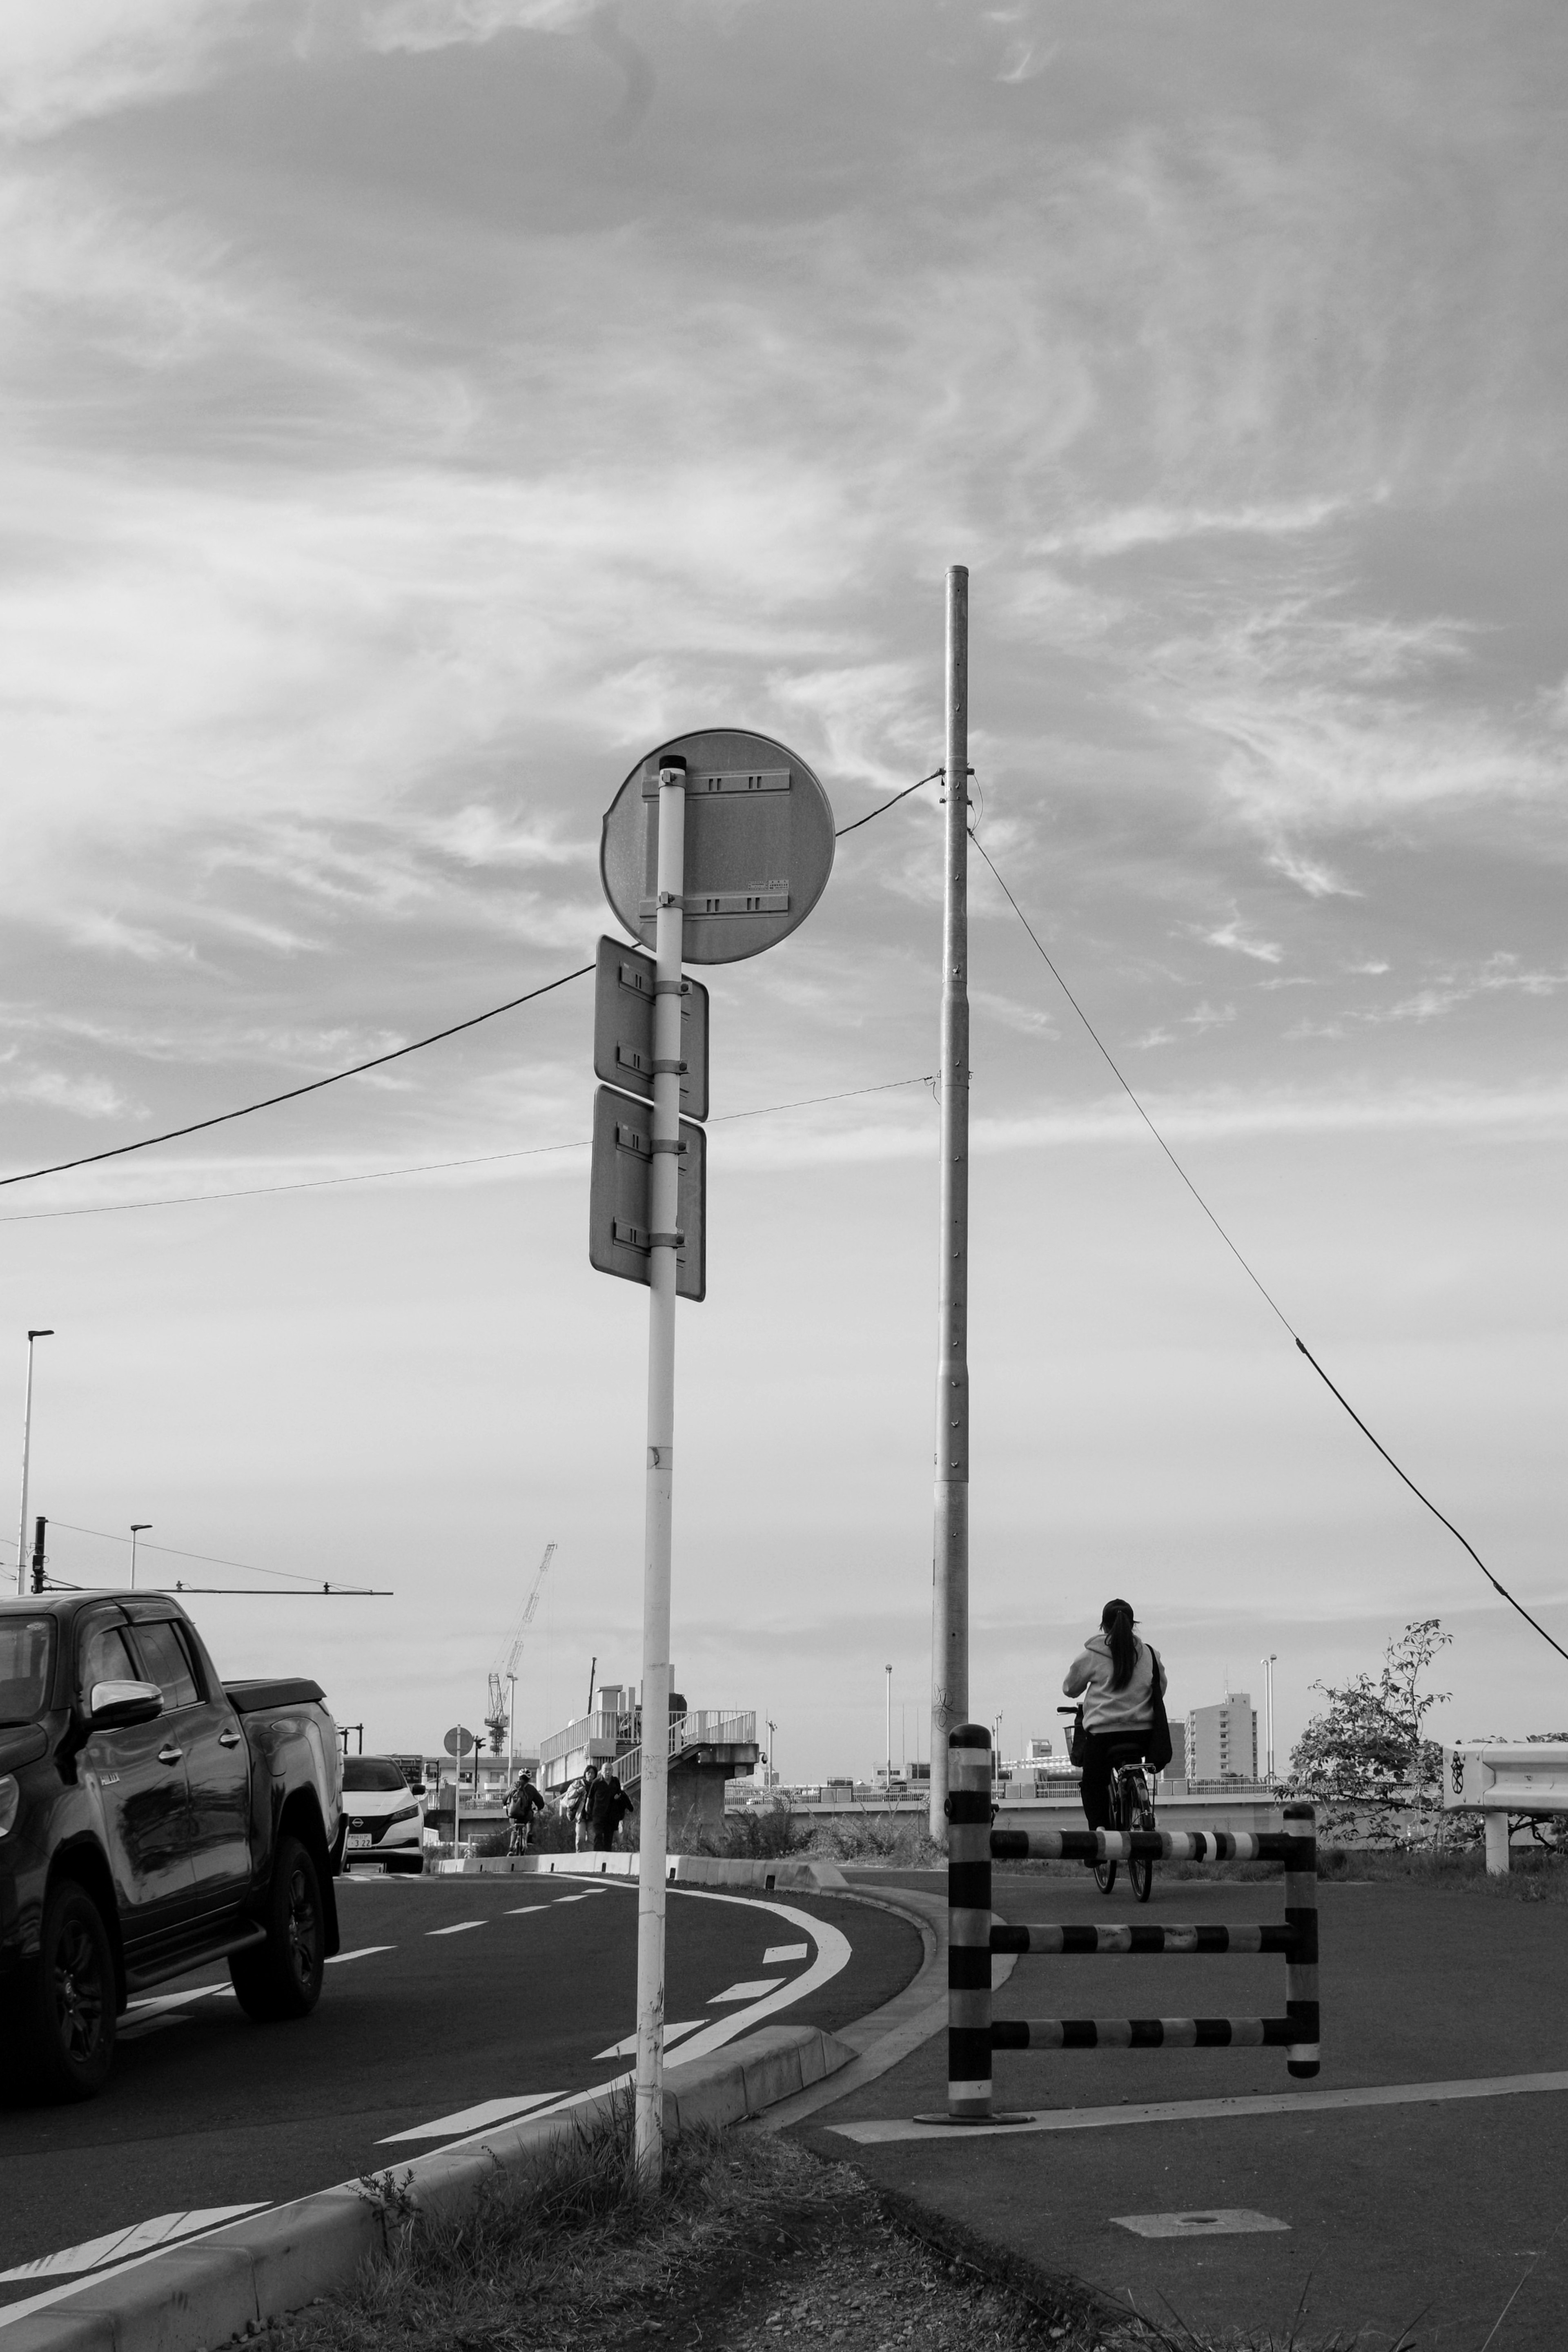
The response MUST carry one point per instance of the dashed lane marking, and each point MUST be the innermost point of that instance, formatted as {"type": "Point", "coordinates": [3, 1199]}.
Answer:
{"type": "Point", "coordinates": [139, 2238]}
{"type": "Point", "coordinates": [584, 1896]}
{"type": "Point", "coordinates": [672, 2034]}
{"type": "Point", "coordinates": [469, 2119]}
{"type": "Point", "coordinates": [460, 1928]}
{"type": "Point", "coordinates": [362, 1952]}
{"type": "Point", "coordinates": [753, 1991]}
{"type": "Point", "coordinates": [776, 1953]}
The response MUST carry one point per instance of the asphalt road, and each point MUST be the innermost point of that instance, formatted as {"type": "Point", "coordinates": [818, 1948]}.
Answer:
{"type": "Point", "coordinates": [1443, 2215]}
{"type": "Point", "coordinates": [454, 2003]}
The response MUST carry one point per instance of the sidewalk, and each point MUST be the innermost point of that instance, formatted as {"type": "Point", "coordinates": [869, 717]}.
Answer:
{"type": "Point", "coordinates": [1425, 2215]}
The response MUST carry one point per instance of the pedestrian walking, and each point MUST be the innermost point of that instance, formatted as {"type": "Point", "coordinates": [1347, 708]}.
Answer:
{"type": "Point", "coordinates": [620, 1806]}
{"type": "Point", "coordinates": [599, 1813]}
{"type": "Point", "coordinates": [525, 1801]}
{"type": "Point", "coordinates": [577, 1808]}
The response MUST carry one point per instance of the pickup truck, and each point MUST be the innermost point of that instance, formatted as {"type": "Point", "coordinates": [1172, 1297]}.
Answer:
{"type": "Point", "coordinates": [152, 1819]}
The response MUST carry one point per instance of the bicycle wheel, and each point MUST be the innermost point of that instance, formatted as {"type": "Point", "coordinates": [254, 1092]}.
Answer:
{"type": "Point", "coordinates": [1105, 1871]}
{"type": "Point", "coordinates": [1141, 1869]}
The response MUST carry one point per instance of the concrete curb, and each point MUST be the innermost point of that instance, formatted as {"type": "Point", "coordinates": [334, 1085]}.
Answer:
{"type": "Point", "coordinates": [683, 1870]}
{"type": "Point", "coordinates": [241, 2278]}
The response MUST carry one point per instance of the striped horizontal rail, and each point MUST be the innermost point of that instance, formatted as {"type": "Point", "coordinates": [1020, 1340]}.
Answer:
{"type": "Point", "coordinates": [1267, 1936]}
{"type": "Point", "coordinates": [973, 1935]}
{"type": "Point", "coordinates": [1148, 2034]}
{"type": "Point", "coordinates": [1156, 1845]}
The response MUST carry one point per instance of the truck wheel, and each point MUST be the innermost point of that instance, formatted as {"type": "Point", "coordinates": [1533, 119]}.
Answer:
{"type": "Point", "coordinates": [282, 1977]}
{"type": "Point", "coordinates": [64, 2022]}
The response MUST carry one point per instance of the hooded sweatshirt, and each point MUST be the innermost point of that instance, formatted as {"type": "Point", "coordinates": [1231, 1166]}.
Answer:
{"type": "Point", "coordinates": [1088, 1677]}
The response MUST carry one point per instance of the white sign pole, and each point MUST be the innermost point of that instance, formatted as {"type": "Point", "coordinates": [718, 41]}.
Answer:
{"type": "Point", "coordinates": [654, 1825]}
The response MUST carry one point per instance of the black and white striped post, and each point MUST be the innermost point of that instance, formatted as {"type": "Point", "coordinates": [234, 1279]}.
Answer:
{"type": "Point", "coordinates": [1302, 1919]}
{"type": "Point", "coordinates": [968, 1812]}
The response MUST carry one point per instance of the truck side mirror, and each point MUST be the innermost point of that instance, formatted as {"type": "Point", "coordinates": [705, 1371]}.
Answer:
{"type": "Point", "coordinates": [114, 1706]}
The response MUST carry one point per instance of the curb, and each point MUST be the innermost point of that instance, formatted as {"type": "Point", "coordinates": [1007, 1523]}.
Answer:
{"type": "Point", "coordinates": [256, 2270]}
{"type": "Point", "coordinates": [683, 1870]}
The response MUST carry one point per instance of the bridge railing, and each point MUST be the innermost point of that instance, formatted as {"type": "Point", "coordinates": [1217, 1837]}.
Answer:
{"type": "Point", "coordinates": [702, 1728]}
{"type": "Point", "coordinates": [973, 1933]}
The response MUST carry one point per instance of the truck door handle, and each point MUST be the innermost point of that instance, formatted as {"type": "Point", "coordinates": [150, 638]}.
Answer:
{"type": "Point", "coordinates": [228, 1739]}
{"type": "Point", "coordinates": [170, 1755]}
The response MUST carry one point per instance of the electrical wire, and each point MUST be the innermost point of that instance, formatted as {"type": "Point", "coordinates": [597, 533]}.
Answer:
{"type": "Point", "coordinates": [1443, 1520]}
{"type": "Point", "coordinates": [425, 1166]}
{"type": "Point", "coordinates": [292, 1094]}
{"type": "Point", "coordinates": [206, 1558]}
{"type": "Point", "coordinates": [904, 795]}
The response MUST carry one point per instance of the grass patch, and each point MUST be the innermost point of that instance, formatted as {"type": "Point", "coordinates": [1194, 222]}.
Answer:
{"type": "Point", "coordinates": [750, 2241]}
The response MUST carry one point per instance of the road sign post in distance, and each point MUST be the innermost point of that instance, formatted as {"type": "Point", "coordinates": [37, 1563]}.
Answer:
{"type": "Point", "coordinates": [717, 846]}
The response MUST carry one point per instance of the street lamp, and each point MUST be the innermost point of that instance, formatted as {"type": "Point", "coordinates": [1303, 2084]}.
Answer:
{"type": "Point", "coordinates": [772, 1780]}
{"type": "Point", "coordinates": [27, 1446]}
{"type": "Point", "coordinates": [137, 1528]}
{"type": "Point", "coordinates": [1268, 1667]}
{"type": "Point", "coordinates": [887, 1780]}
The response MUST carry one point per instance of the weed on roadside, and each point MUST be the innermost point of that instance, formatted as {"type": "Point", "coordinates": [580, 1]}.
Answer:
{"type": "Point", "coordinates": [750, 2241]}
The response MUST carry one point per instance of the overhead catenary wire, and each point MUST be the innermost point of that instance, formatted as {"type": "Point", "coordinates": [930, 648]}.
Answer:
{"type": "Point", "coordinates": [292, 1094]}
{"type": "Point", "coordinates": [429, 1167]}
{"type": "Point", "coordinates": [204, 1560]}
{"type": "Point", "coordinates": [1425, 1499]}
{"type": "Point", "coordinates": [904, 795]}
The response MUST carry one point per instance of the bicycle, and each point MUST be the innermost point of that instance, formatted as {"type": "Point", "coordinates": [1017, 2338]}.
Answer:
{"type": "Point", "coordinates": [1132, 1807]}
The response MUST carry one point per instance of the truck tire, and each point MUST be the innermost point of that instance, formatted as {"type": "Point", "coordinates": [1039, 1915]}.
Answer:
{"type": "Point", "coordinates": [63, 2026]}
{"type": "Point", "coordinates": [282, 1977]}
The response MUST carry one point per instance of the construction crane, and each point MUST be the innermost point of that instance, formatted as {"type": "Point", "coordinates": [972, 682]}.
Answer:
{"type": "Point", "coordinates": [504, 1700]}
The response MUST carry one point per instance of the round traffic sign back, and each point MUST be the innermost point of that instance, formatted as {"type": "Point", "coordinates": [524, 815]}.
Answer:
{"type": "Point", "coordinates": [759, 845]}
{"type": "Point", "coordinates": [459, 1742]}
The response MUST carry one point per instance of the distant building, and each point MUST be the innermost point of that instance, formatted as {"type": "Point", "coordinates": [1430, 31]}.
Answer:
{"type": "Point", "coordinates": [1222, 1741]}
{"type": "Point", "coordinates": [1176, 1768]}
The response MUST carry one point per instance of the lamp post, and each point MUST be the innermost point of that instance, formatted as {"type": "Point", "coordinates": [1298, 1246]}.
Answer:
{"type": "Point", "coordinates": [772, 1782]}
{"type": "Point", "coordinates": [887, 1783]}
{"type": "Point", "coordinates": [137, 1528]}
{"type": "Point", "coordinates": [1268, 1665]}
{"type": "Point", "coordinates": [27, 1447]}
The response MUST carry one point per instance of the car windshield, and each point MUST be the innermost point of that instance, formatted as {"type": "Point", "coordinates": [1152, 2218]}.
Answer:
{"type": "Point", "coordinates": [26, 1652]}
{"type": "Point", "coordinates": [362, 1772]}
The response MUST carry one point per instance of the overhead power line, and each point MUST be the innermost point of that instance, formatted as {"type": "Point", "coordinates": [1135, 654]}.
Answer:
{"type": "Point", "coordinates": [292, 1094]}
{"type": "Point", "coordinates": [1252, 1277]}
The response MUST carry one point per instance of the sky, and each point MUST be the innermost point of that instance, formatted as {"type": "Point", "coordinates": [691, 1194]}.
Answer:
{"type": "Point", "coordinates": [416, 410]}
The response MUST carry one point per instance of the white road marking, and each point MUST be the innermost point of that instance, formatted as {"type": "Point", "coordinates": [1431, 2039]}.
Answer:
{"type": "Point", "coordinates": [1222, 2221]}
{"type": "Point", "coordinates": [460, 1928]}
{"type": "Point", "coordinates": [177, 2000]}
{"type": "Point", "coordinates": [467, 2119]}
{"type": "Point", "coordinates": [752, 1991]}
{"type": "Point", "coordinates": [526, 1910]}
{"type": "Point", "coordinates": [584, 1896]}
{"type": "Point", "coordinates": [672, 2034]}
{"type": "Point", "coordinates": [1180, 2111]}
{"type": "Point", "coordinates": [777, 1953]}
{"type": "Point", "coordinates": [362, 1952]}
{"type": "Point", "coordinates": [139, 2238]}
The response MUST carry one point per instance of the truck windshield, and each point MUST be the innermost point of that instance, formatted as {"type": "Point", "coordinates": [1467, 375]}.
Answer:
{"type": "Point", "coordinates": [27, 1652]}
{"type": "Point", "coordinates": [370, 1772]}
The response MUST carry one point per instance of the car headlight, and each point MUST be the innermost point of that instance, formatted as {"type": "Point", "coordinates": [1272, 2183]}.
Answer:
{"type": "Point", "coordinates": [405, 1814]}
{"type": "Point", "coordinates": [10, 1801]}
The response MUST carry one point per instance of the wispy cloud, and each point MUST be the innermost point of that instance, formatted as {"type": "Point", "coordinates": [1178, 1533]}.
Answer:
{"type": "Point", "coordinates": [1231, 936]}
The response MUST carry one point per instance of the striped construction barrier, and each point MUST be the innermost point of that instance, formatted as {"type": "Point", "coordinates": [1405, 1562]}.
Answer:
{"type": "Point", "coordinates": [973, 2035]}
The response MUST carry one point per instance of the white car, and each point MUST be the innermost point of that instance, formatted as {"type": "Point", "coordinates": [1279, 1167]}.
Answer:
{"type": "Point", "coordinates": [383, 1821]}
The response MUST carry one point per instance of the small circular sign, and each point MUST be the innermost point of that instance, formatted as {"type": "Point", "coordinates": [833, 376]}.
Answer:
{"type": "Point", "coordinates": [759, 845]}
{"type": "Point", "coordinates": [459, 1742]}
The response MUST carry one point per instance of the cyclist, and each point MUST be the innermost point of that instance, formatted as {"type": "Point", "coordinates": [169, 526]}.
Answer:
{"type": "Point", "coordinates": [1114, 1676]}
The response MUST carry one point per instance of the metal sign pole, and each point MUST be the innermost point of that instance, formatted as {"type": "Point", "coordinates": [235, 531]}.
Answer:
{"type": "Point", "coordinates": [950, 1551]}
{"type": "Point", "coordinates": [653, 1824]}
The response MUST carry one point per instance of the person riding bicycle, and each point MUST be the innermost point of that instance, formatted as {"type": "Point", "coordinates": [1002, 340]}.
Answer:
{"type": "Point", "coordinates": [1114, 1676]}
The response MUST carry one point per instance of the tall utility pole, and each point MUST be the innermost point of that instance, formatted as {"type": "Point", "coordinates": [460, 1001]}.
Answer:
{"type": "Point", "coordinates": [659, 1500]}
{"type": "Point", "coordinates": [887, 1783]}
{"type": "Point", "coordinates": [1269, 1664]}
{"type": "Point", "coordinates": [950, 1550]}
{"type": "Point", "coordinates": [26, 1448]}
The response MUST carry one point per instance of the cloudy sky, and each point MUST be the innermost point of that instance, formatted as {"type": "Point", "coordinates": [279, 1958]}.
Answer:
{"type": "Point", "coordinates": [415, 409]}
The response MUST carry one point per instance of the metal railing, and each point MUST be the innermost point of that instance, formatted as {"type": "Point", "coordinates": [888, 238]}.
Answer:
{"type": "Point", "coordinates": [973, 1933]}
{"type": "Point", "coordinates": [702, 1728]}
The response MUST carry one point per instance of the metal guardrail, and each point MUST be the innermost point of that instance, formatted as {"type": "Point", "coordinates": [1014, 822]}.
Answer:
{"type": "Point", "coordinates": [973, 1936]}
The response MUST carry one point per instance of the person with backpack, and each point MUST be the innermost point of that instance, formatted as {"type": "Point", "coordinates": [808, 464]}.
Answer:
{"type": "Point", "coordinates": [525, 1801]}
{"type": "Point", "coordinates": [1120, 1686]}
{"type": "Point", "coordinates": [577, 1807]}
